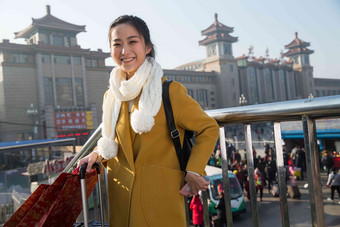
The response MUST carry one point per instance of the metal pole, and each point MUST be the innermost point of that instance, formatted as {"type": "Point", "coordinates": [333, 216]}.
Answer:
{"type": "Point", "coordinates": [205, 209]}
{"type": "Point", "coordinates": [281, 175]}
{"type": "Point", "coordinates": [227, 199]}
{"type": "Point", "coordinates": [187, 213]}
{"type": "Point", "coordinates": [313, 172]}
{"type": "Point", "coordinates": [101, 200]}
{"type": "Point", "coordinates": [251, 175]}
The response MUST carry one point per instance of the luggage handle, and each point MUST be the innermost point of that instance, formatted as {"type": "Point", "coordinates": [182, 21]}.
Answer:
{"type": "Point", "coordinates": [82, 173]}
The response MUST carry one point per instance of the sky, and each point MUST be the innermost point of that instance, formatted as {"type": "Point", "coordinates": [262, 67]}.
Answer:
{"type": "Point", "coordinates": [176, 25]}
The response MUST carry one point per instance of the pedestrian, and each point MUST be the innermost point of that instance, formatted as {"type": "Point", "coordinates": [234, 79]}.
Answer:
{"type": "Point", "coordinates": [271, 173]}
{"type": "Point", "coordinates": [300, 161]}
{"type": "Point", "coordinates": [220, 207]}
{"type": "Point", "coordinates": [197, 211]}
{"type": "Point", "coordinates": [143, 171]}
{"type": "Point", "coordinates": [328, 161]}
{"type": "Point", "coordinates": [259, 182]}
{"type": "Point", "coordinates": [334, 183]}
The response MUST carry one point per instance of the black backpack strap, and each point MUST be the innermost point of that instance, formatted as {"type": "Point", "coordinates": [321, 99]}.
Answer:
{"type": "Point", "coordinates": [171, 122]}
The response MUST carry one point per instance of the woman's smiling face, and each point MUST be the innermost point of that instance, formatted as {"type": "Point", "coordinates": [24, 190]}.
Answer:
{"type": "Point", "coordinates": [128, 48]}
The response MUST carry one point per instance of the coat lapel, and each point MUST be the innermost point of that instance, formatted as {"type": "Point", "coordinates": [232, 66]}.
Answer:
{"type": "Point", "coordinates": [123, 134]}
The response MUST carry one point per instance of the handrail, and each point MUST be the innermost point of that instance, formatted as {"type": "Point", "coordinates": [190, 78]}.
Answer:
{"type": "Point", "coordinates": [85, 150]}
{"type": "Point", "coordinates": [328, 106]}
{"type": "Point", "coordinates": [305, 110]}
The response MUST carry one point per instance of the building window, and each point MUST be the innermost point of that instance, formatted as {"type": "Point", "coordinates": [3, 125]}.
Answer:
{"type": "Point", "coordinates": [48, 90]}
{"type": "Point", "coordinates": [269, 84]}
{"type": "Point", "coordinates": [64, 91]}
{"type": "Point", "coordinates": [45, 38]}
{"type": "Point", "coordinates": [227, 49]}
{"type": "Point", "coordinates": [254, 98]}
{"type": "Point", "coordinates": [231, 68]}
{"type": "Point", "coordinates": [94, 63]}
{"type": "Point", "coordinates": [202, 97]}
{"type": "Point", "coordinates": [60, 59]}
{"type": "Point", "coordinates": [295, 60]}
{"type": "Point", "coordinates": [283, 84]}
{"type": "Point", "coordinates": [306, 59]}
{"type": "Point", "coordinates": [76, 60]}
{"type": "Point", "coordinates": [79, 91]}
{"type": "Point", "coordinates": [24, 58]}
{"type": "Point", "coordinates": [211, 50]}
{"type": "Point", "coordinates": [58, 40]}
{"type": "Point", "coordinates": [191, 93]}
{"type": "Point", "coordinates": [318, 93]}
{"type": "Point", "coordinates": [45, 58]}
{"type": "Point", "coordinates": [91, 63]}
{"type": "Point", "coordinates": [16, 58]}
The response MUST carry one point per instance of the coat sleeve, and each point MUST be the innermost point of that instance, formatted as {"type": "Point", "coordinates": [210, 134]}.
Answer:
{"type": "Point", "coordinates": [189, 115]}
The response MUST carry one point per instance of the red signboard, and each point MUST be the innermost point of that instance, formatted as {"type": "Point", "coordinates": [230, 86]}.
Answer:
{"type": "Point", "coordinates": [67, 121]}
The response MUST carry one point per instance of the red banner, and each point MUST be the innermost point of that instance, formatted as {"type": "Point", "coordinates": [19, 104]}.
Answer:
{"type": "Point", "coordinates": [56, 166]}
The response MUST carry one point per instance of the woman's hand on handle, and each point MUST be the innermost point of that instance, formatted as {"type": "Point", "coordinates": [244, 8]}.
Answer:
{"type": "Point", "coordinates": [89, 159]}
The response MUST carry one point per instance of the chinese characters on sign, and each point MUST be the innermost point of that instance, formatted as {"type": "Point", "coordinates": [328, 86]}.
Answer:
{"type": "Point", "coordinates": [73, 120]}
{"type": "Point", "coordinates": [55, 166]}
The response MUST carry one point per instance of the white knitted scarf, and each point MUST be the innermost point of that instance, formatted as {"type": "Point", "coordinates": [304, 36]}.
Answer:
{"type": "Point", "coordinates": [148, 79]}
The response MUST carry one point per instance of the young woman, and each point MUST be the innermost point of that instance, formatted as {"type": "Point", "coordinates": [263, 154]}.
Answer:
{"type": "Point", "coordinates": [143, 171]}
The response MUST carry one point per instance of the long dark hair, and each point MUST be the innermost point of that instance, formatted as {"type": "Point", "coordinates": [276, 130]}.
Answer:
{"type": "Point", "coordinates": [139, 25]}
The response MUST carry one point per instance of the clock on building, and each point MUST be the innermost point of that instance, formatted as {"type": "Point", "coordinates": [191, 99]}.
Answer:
{"type": "Point", "coordinates": [211, 50]}
{"type": "Point", "coordinates": [227, 49]}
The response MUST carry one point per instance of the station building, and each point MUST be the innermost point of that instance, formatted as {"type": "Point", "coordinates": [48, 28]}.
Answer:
{"type": "Point", "coordinates": [50, 87]}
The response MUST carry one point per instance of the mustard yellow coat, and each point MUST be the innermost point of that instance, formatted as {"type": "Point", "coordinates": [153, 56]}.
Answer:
{"type": "Point", "coordinates": [145, 178]}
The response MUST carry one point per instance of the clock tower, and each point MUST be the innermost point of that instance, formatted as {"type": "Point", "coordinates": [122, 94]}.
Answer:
{"type": "Point", "coordinates": [219, 58]}
{"type": "Point", "coordinates": [298, 53]}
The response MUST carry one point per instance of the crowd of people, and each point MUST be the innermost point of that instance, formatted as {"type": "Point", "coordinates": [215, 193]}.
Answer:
{"type": "Point", "coordinates": [265, 167]}
{"type": "Point", "coordinates": [265, 174]}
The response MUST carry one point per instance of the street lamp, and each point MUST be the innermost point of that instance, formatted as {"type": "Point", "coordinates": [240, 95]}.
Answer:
{"type": "Point", "coordinates": [242, 100]}
{"type": "Point", "coordinates": [33, 113]}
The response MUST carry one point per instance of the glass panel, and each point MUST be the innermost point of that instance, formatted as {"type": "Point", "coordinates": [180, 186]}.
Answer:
{"type": "Point", "coordinates": [48, 90]}
{"type": "Point", "coordinates": [202, 97]}
{"type": "Point", "coordinates": [269, 84]}
{"type": "Point", "coordinates": [94, 63]}
{"type": "Point", "coordinates": [79, 91]}
{"type": "Point", "coordinates": [59, 59]}
{"type": "Point", "coordinates": [282, 84]}
{"type": "Point", "coordinates": [252, 85]}
{"type": "Point", "coordinates": [58, 40]}
{"type": "Point", "coordinates": [24, 58]}
{"type": "Point", "coordinates": [76, 60]}
{"type": "Point", "coordinates": [64, 91]}
{"type": "Point", "coordinates": [16, 58]}
{"type": "Point", "coordinates": [45, 58]}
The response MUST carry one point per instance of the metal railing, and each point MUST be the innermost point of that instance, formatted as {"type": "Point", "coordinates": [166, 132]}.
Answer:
{"type": "Point", "coordinates": [305, 110]}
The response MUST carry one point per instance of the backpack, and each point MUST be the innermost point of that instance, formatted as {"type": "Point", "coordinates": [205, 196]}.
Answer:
{"type": "Point", "coordinates": [259, 180]}
{"type": "Point", "coordinates": [183, 153]}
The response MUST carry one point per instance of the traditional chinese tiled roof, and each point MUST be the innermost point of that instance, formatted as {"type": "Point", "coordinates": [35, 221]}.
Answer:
{"type": "Point", "coordinates": [218, 37]}
{"type": "Point", "coordinates": [217, 26]}
{"type": "Point", "coordinates": [297, 46]}
{"type": "Point", "coordinates": [297, 43]}
{"type": "Point", "coordinates": [298, 51]}
{"type": "Point", "coordinates": [217, 32]}
{"type": "Point", "coordinates": [51, 22]}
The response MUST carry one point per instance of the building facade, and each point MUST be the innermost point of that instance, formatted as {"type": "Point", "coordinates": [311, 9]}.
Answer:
{"type": "Point", "coordinates": [50, 87]}
{"type": "Point", "coordinates": [64, 83]}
